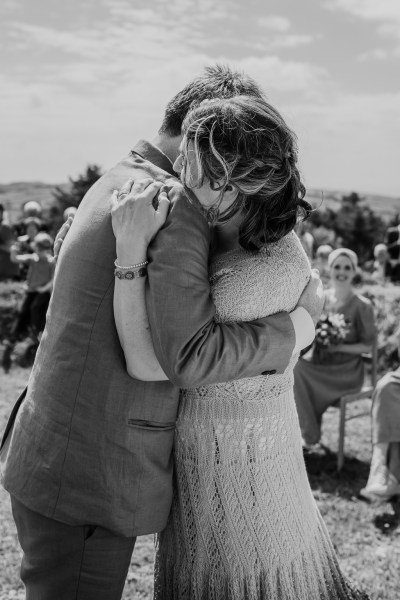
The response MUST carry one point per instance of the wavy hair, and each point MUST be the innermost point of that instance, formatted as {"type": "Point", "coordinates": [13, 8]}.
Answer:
{"type": "Point", "coordinates": [216, 81]}
{"type": "Point", "coordinates": [244, 142]}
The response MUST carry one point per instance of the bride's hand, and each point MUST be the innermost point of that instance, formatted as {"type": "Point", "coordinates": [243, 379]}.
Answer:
{"type": "Point", "coordinates": [135, 221]}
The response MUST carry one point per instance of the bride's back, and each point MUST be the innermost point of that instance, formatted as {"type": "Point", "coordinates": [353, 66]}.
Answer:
{"type": "Point", "coordinates": [247, 286]}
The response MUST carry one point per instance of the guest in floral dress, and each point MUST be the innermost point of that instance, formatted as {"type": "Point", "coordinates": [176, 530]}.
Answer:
{"type": "Point", "coordinates": [321, 378]}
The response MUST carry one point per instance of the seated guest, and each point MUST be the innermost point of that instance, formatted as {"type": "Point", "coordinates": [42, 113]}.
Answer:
{"type": "Point", "coordinates": [25, 242]}
{"type": "Point", "coordinates": [321, 378]}
{"type": "Point", "coordinates": [392, 241]}
{"type": "Point", "coordinates": [382, 269]}
{"type": "Point", "coordinates": [7, 268]}
{"type": "Point", "coordinates": [32, 313]}
{"type": "Point", "coordinates": [384, 476]}
{"type": "Point", "coordinates": [30, 209]}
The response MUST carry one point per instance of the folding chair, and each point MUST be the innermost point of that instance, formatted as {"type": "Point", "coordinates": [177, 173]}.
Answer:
{"type": "Point", "coordinates": [365, 392]}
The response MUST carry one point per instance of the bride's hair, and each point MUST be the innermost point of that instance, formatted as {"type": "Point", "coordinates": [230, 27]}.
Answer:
{"type": "Point", "coordinates": [244, 142]}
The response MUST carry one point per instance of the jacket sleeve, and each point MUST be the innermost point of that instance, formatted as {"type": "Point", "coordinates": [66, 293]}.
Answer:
{"type": "Point", "coordinates": [192, 348]}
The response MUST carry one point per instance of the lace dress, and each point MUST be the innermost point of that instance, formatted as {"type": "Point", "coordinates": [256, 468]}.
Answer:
{"type": "Point", "coordinates": [244, 524]}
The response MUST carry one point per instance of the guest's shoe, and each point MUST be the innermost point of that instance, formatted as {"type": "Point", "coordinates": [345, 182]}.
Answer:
{"type": "Point", "coordinates": [314, 449]}
{"type": "Point", "coordinates": [6, 361]}
{"type": "Point", "coordinates": [383, 488]}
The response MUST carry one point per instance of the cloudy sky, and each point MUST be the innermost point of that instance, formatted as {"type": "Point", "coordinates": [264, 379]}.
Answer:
{"type": "Point", "coordinates": [82, 80]}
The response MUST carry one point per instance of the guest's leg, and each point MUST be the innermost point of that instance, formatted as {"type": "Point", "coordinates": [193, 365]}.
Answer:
{"type": "Point", "coordinates": [378, 472]}
{"type": "Point", "coordinates": [38, 312]}
{"type": "Point", "coordinates": [22, 321]}
{"type": "Point", "coordinates": [309, 418]}
{"type": "Point", "coordinates": [394, 459]}
{"type": "Point", "coordinates": [70, 563]}
{"type": "Point", "coordinates": [384, 476]}
{"type": "Point", "coordinates": [18, 328]}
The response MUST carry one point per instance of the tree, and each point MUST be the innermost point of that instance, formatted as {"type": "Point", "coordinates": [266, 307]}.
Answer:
{"type": "Point", "coordinates": [358, 227]}
{"type": "Point", "coordinates": [71, 197]}
{"type": "Point", "coordinates": [77, 189]}
{"type": "Point", "coordinates": [355, 226]}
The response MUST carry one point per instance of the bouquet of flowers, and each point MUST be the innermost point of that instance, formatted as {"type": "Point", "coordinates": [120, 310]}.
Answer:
{"type": "Point", "coordinates": [331, 330]}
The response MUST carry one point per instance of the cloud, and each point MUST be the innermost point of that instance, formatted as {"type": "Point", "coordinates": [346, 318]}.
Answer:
{"type": "Point", "coordinates": [84, 85]}
{"type": "Point", "coordinates": [283, 78]}
{"type": "Point", "coordinates": [351, 138]}
{"type": "Point", "coordinates": [385, 13]}
{"type": "Point", "coordinates": [375, 54]}
{"type": "Point", "coordinates": [275, 23]}
{"type": "Point", "coordinates": [372, 10]}
{"type": "Point", "coordinates": [284, 36]}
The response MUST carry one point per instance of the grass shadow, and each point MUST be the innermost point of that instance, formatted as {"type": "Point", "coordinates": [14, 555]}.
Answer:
{"type": "Point", "coordinates": [324, 476]}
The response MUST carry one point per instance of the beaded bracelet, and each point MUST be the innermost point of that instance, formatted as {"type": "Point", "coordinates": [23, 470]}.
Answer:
{"type": "Point", "coordinates": [137, 266]}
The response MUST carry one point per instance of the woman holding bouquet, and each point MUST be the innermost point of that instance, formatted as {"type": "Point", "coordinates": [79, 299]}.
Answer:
{"type": "Point", "coordinates": [334, 365]}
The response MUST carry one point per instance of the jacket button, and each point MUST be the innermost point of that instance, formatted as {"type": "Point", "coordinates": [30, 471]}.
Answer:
{"type": "Point", "coordinates": [272, 372]}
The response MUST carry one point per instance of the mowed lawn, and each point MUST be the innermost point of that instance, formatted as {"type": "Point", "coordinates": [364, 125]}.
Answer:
{"type": "Point", "coordinates": [366, 537]}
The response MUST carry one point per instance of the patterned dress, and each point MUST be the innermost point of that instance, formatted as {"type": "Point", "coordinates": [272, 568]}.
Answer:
{"type": "Point", "coordinates": [244, 524]}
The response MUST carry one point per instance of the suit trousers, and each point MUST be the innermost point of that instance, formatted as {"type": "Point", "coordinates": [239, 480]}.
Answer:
{"type": "Point", "coordinates": [66, 562]}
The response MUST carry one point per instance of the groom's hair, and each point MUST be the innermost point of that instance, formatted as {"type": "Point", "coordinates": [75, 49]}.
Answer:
{"type": "Point", "coordinates": [218, 81]}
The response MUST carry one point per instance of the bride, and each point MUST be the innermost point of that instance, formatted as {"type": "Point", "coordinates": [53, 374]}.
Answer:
{"type": "Point", "coordinates": [244, 524]}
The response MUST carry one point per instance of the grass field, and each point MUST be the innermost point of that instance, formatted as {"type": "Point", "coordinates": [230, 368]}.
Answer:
{"type": "Point", "coordinates": [366, 537]}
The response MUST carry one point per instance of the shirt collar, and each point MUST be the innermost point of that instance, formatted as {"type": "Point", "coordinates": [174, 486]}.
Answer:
{"type": "Point", "coordinates": [151, 153]}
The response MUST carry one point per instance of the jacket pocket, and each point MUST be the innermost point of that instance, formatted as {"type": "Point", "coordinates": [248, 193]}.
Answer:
{"type": "Point", "coordinates": [151, 425]}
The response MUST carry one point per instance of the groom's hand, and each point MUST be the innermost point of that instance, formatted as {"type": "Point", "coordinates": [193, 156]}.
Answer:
{"type": "Point", "coordinates": [60, 237]}
{"type": "Point", "coordinates": [313, 297]}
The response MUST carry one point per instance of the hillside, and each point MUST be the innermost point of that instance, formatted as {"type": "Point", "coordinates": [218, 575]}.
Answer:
{"type": "Point", "coordinates": [384, 206]}
{"type": "Point", "coordinates": [14, 195]}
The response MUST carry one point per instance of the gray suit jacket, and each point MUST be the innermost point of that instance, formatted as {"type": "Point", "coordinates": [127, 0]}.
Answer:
{"type": "Point", "coordinates": [88, 444]}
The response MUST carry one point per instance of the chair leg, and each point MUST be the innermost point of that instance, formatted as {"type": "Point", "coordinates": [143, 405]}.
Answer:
{"type": "Point", "coordinates": [342, 424]}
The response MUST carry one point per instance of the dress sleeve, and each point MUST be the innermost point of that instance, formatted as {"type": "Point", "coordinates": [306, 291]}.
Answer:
{"type": "Point", "coordinates": [192, 348]}
{"type": "Point", "coordinates": [366, 322]}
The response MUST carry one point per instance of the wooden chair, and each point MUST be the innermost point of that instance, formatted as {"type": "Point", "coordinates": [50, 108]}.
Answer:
{"type": "Point", "coordinates": [365, 392]}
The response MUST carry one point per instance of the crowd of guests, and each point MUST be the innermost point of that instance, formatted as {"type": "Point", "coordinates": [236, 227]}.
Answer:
{"type": "Point", "coordinates": [320, 378]}
{"type": "Point", "coordinates": [26, 254]}
{"type": "Point", "coordinates": [383, 268]}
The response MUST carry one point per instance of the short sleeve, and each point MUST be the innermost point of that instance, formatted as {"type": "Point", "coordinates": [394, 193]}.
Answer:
{"type": "Point", "coordinates": [27, 259]}
{"type": "Point", "coordinates": [366, 321]}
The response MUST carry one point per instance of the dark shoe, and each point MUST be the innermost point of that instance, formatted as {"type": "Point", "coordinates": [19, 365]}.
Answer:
{"type": "Point", "coordinates": [6, 361]}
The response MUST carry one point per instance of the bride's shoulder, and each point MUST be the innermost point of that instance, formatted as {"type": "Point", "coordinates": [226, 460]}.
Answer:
{"type": "Point", "coordinates": [289, 251]}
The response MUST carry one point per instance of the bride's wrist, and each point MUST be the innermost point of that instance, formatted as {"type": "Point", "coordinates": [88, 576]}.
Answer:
{"type": "Point", "coordinates": [131, 255]}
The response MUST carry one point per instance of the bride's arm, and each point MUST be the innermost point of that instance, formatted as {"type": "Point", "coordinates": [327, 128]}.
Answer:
{"type": "Point", "coordinates": [129, 220]}
{"type": "Point", "coordinates": [133, 328]}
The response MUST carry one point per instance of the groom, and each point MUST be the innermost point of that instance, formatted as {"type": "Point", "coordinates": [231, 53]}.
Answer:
{"type": "Point", "coordinates": [86, 455]}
